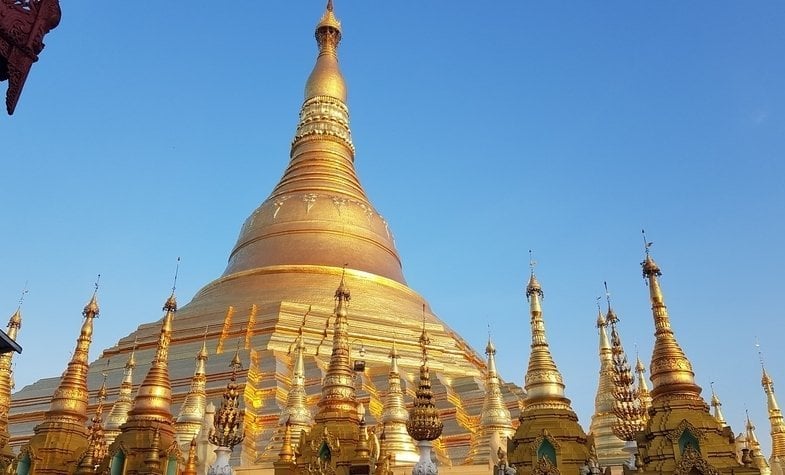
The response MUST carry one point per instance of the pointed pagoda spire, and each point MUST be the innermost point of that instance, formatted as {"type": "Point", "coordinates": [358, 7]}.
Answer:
{"type": "Point", "coordinates": [543, 382]}
{"type": "Point", "coordinates": [775, 414]}
{"type": "Point", "coordinates": [124, 402]}
{"type": "Point", "coordinates": [153, 400]}
{"type": "Point", "coordinates": [189, 420]}
{"type": "Point", "coordinates": [716, 405]}
{"type": "Point", "coordinates": [296, 411]}
{"type": "Point", "coordinates": [96, 447]}
{"type": "Point", "coordinates": [758, 459]}
{"type": "Point", "coordinates": [62, 436]}
{"type": "Point", "coordinates": [397, 440]}
{"type": "Point", "coordinates": [286, 455]}
{"type": "Point", "coordinates": [644, 395]}
{"type": "Point", "coordinates": [627, 405]}
{"type": "Point", "coordinates": [671, 370]}
{"type": "Point", "coordinates": [610, 448]}
{"type": "Point", "coordinates": [495, 417]}
{"type": "Point", "coordinates": [338, 401]}
{"type": "Point", "coordinates": [6, 383]}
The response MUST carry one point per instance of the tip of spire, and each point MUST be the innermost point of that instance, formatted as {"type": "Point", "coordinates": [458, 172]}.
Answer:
{"type": "Point", "coordinates": [342, 293]}
{"type": "Point", "coordinates": [650, 268]}
{"type": "Point", "coordinates": [91, 309]}
{"type": "Point", "coordinates": [329, 5]}
{"type": "Point", "coordinates": [490, 348]}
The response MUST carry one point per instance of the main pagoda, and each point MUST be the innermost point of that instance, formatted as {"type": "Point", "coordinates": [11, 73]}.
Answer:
{"type": "Point", "coordinates": [280, 277]}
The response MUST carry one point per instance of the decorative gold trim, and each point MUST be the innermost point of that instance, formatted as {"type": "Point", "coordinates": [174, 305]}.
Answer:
{"type": "Point", "coordinates": [675, 434]}
{"type": "Point", "coordinates": [692, 460]}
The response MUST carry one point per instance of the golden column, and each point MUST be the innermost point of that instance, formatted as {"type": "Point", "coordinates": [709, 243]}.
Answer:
{"type": "Point", "coordinates": [681, 434]}
{"type": "Point", "coordinates": [148, 433]}
{"type": "Point", "coordinates": [396, 441]}
{"type": "Point", "coordinates": [549, 438]}
{"type": "Point", "coordinates": [6, 385]}
{"type": "Point", "coordinates": [610, 448]}
{"type": "Point", "coordinates": [124, 402]}
{"type": "Point", "coordinates": [495, 422]}
{"type": "Point", "coordinates": [62, 437]}
{"type": "Point", "coordinates": [189, 420]}
{"type": "Point", "coordinates": [424, 424]}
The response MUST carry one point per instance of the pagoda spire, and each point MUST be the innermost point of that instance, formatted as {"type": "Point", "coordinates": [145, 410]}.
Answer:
{"type": "Point", "coordinates": [296, 412]}
{"type": "Point", "coordinates": [671, 370]}
{"type": "Point", "coordinates": [338, 400]}
{"type": "Point", "coordinates": [154, 399]}
{"type": "Point", "coordinates": [610, 448]}
{"type": "Point", "coordinates": [6, 386]}
{"type": "Point", "coordinates": [543, 382]}
{"type": "Point", "coordinates": [63, 436]}
{"type": "Point", "coordinates": [396, 440]}
{"type": "Point", "coordinates": [124, 402]}
{"type": "Point", "coordinates": [424, 424]}
{"type": "Point", "coordinates": [758, 459]}
{"type": "Point", "coordinates": [189, 420]}
{"type": "Point", "coordinates": [716, 405]}
{"type": "Point", "coordinates": [642, 386]}
{"type": "Point", "coordinates": [775, 415]}
{"type": "Point", "coordinates": [495, 417]}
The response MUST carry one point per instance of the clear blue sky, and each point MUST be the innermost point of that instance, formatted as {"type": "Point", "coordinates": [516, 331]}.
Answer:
{"type": "Point", "coordinates": [482, 130]}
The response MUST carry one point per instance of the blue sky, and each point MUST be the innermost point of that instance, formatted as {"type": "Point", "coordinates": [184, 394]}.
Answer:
{"type": "Point", "coordinates": [482, 131]}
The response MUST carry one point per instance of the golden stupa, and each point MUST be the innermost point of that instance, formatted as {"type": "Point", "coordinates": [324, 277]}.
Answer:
{"type": "Point", "coordinates": [288, 257]}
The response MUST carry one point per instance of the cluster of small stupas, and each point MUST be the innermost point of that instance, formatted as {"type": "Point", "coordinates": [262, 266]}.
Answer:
{"type": "Point", "coordinates": [397, 392]}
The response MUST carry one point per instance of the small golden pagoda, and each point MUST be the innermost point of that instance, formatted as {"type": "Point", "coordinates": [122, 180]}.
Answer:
{"type": "Point", "coordinates": [753, 444]}
{"type": "Point", "coordinates": [642, 387]}
{"type": "Point", "coordinates": [296, 415]}
{"type": "Point", "coordinates": [495, 422]}
{"type": "Point", "coordinates": [609, 447]}
{"type": "Point", "coordinates": [334, 444]}
{"type": "Point", "coordinates": [147, 439]}
{"type": "Point", "coordinates": [6, 385]}
{"type": "Point", "coordinates": [124, 402]}
{"type": "Point", "coordinates": [681, 435]}
{"type": "Point", "coordinates": [189, 420]}
{"type": "Point", "coordinates": [549, 439]}
{"type": "Point", "coordinates": [62, 438]}
{"type": "Point", "coordinates": [394, 440]}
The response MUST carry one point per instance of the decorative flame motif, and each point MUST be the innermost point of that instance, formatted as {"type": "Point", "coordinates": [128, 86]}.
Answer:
{"type": "Point", "coordinates": [424, 422]}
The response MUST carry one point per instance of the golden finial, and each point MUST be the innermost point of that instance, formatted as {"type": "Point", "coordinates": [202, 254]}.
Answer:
{"type": "Point", "coordinates": [124, 402]}
{"type": "Point", "coordinates": [171, 302]}
{"type": "Point", "coordinates": [92, 306]}
{"type": "Point", "coordinates": [424, 422]}
{"type": "Point", "coordinates": [228, 429]}
{"type": "Point", "coordinates": [671, 371]}
{"type": "Point", "coordinates": [533, 286]}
